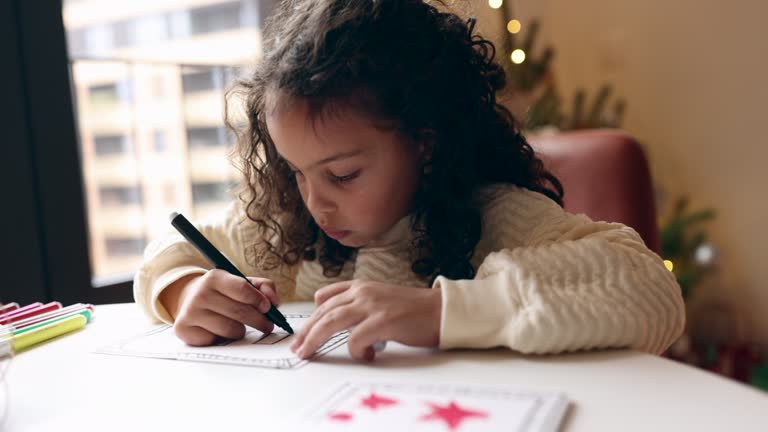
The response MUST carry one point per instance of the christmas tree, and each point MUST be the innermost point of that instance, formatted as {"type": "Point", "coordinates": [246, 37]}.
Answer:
{"type": "Point", "coordinates": [531, 81]}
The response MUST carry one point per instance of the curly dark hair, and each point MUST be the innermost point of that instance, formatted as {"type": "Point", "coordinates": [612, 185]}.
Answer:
{"type": "Point", "coordinates": [405, 61]}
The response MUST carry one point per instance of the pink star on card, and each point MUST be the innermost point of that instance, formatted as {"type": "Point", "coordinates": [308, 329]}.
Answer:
{"type": "Point", "coordinates": [340, 416]}
{"type": "Point", "coordinates": [452, 414]}
{"type": "Point", "coordinates": [375, 401]}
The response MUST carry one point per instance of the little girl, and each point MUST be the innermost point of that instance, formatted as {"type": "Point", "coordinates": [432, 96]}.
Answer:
{"type": "Point", "coordinates": [384, 181]}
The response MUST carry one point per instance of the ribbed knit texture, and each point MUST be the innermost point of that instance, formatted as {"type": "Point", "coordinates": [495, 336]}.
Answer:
{"type": "Point", "coordinates": [547, 281]}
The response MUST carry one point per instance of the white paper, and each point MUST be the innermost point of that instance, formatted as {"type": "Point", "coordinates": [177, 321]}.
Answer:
{"type": "Point", "coordinates": [433, 407]}
{"type": "Point", "coordinates": [255, 349]}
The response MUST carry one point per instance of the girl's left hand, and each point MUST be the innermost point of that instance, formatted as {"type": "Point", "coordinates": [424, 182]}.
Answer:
{"type": "Point", "coordinates": [377, 311]}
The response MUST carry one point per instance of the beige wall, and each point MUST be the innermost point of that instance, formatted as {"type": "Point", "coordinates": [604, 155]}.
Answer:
{"type": "Point", "coordinates": [694, 75]}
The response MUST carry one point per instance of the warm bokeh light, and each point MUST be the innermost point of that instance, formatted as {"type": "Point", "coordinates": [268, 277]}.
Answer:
{"type": "Point", "coordinates": [495, 3]}
{"type": "Point", "coordinates": [518, 56]}
{"type": "Point", "coordinates": [668, 264]}
{"type": "Point", "coordinates": [514, 26]}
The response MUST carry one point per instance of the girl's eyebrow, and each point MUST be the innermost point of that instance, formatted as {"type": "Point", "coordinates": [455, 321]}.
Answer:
{"type": "Point", "coordinates": [337, 156]}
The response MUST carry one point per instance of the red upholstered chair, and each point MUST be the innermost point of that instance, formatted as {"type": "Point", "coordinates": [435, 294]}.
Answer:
{"type": "Point", "coordinates": [605, 175]}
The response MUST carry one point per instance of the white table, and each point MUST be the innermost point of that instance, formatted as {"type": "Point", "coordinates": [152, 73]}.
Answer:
{"type": "Point", "coordinates": [63, 386]}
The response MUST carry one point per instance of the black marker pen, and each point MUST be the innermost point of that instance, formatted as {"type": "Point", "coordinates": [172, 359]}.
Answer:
{"type": "Point", "coordinates": [220, 262]}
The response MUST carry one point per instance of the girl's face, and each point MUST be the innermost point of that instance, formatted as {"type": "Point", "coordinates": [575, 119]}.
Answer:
{"type": "Point", "coordinates": [356, 180]}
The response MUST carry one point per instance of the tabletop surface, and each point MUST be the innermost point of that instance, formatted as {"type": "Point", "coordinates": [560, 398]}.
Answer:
{"type": "Point", "coordinates": [63, 385]}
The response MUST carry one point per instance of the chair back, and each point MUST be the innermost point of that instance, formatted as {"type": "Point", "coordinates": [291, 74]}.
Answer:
{"type": "Point", "coordinates": [605, 175]}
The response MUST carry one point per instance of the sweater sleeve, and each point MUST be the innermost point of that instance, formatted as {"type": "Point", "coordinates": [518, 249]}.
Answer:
{"type": "Point", "coordinates": [566, 283]}
{"type": "Point", "coordinates": [171, 257]}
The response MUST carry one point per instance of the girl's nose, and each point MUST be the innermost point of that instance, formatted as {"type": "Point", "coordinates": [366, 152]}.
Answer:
{"type": "Point", "coordinates": [319, 204]}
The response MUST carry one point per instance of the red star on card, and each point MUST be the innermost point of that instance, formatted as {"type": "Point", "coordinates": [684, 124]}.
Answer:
{"type": "Point", "coordinates": [434, 407]}
{"type": "Point", "coordinates": [452, 414]}
{"type": "Point", "coordinates": [341, 416]}
{"type": "Point", "coordinates": [374, 401]}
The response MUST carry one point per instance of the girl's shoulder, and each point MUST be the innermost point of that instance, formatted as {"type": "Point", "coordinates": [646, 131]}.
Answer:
{"type": "Point", "coordinates": [505, 197]}
{"type": "Point", "coordinates": [510, 215]}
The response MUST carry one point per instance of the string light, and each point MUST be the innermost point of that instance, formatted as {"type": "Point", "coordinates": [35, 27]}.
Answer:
{"type": "Point", "coordinates": [518, 56]}
{"type": "Point", "coordinates": [495, 3]}
{"type": "Point", "coordinates": [668, 264]}
{"type": "Point", "coordinates": [513, 26]}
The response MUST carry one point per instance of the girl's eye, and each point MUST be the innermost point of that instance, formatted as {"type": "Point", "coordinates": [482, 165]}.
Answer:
{"type": "Point", "coordinates": [345, 178]}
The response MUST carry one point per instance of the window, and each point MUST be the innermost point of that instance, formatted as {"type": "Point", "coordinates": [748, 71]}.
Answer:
{"type": "Point", "coordinates": [107, 95]}
{"type": "Point", "coordinates": [122, 34]}
{"type": "Point", "coordinates": [106, 145]}
{"type": "Point", "coordinates": [200, 81]}
{"type": "Point", "coordinates": [179, 25]}
{"type": "Point", "coordinates": [111, 196]}
{"type": "Point", "coordinates": [210, 192]}
{"type": "Point", "coordinates": [200, 137]}
{"type": "Point", "coordinates": [125, 246]}
{"type": "Point", "coordinates": [99, 39]}
{"type": "Point", "coordinates": [159, 138]}
{"type": "Point", "coordinates": [76, 41]}
{"type": "Point", "coordinates": [150, 29]}
{"type": "Point", "coordinates": [220, 17]}
{"type": "Point", "coordinates": [114, 74]}
{"type": "Point", "coordinates": [141, 30]}
{"type": "Point", "coordinates": [103, 94]}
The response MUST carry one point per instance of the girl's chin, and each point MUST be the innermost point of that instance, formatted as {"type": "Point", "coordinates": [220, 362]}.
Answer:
{"type": "Point", "coordinates": [350, 242]}
{"type": "Point", "coordinates": [353, 241]}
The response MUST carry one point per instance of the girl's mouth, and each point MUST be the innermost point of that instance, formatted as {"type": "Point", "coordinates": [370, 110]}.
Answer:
{"type": "Point", "coordinates": [334, 234]}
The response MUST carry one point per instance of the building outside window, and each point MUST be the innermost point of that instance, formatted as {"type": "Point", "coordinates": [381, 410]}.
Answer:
{"type": "Point", "coordinates": [148, 82]}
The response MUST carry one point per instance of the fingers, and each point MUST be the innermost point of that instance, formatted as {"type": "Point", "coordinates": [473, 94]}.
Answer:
{"type": "Point", "coordinates": [240, 290]}
{"type": "Point", "coordinates": [330, 291]}
{"type": "Point", "coordinates": [240, 312]}
{"type": "Point", "coordinates": [220, 304]}
{"type": "Point", "coordinates": [364, 337]}
{"type": "Point", "coordinates": [267, 287]}
{"type": "Point", "coordinates": [194, 335]}
{"type": "Point", "coordinates": [334, 321]}
{"type": "Point", "coordinates": [208, 325]}
{"type": "Point", "coordinates": [317, 315]}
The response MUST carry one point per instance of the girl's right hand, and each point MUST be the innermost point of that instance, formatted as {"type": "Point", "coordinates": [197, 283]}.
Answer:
{"type": "Point", "coordinates": [217, 305]}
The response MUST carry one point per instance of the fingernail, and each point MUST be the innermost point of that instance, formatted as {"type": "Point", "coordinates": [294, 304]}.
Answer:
{"type": "Point", "coordinates": [370, 353]}
{"type": "Point", "coordinates": [265, 305]}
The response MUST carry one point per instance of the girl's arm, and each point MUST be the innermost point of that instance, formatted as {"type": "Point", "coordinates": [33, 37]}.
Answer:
{"type": "Point", "coordinates": [560, 282]}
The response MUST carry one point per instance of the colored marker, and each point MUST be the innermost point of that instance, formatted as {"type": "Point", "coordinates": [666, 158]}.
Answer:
{"type": "Point", "coordinates": [10, 307]}
{"type": "Point", "coordinates": [48, 307]}
{"type": "Point", "coordinates": [17, 325]}
{"type": "Point", "coordinates": [55, 313]}
{"type": "Point", "coordinates": [6, 349]}
{"type": "Point", "coordinates": [85, 312]}
{"type": "Point", "coordinates": [50, 331]}
{"type": "Point", "coordinates": [20, 310]}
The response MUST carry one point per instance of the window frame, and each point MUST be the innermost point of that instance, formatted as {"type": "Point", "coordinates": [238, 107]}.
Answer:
{"type": "Point", "coordinates": [47, 250]}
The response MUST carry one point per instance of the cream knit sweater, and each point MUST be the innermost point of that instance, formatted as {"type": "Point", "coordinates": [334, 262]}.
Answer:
{"type": "Point", "coordinates": [547, 281]}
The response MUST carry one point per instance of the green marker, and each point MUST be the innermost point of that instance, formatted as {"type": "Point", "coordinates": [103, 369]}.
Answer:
{"type": "Point", "coordinates": [86, 313]}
